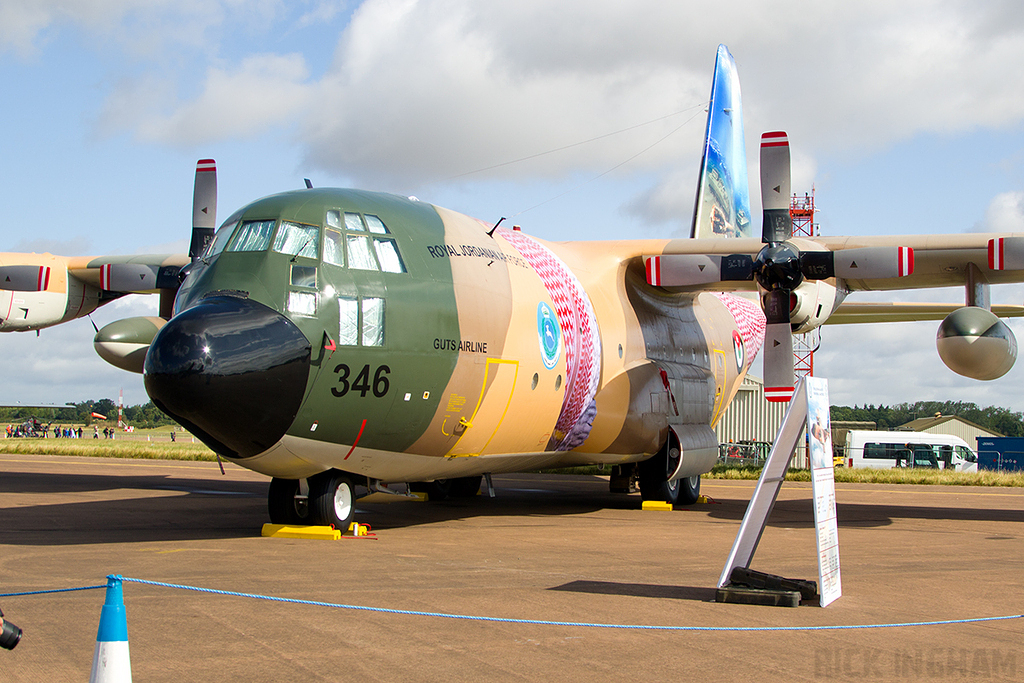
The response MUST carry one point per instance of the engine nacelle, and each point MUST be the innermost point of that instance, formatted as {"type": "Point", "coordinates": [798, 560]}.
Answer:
{"type": "Point", "coordinates": [974, 343]}
{"type": "Point", "coordinates": [812, 303]}
{"type": "Point", "coordinates": [124, 343]}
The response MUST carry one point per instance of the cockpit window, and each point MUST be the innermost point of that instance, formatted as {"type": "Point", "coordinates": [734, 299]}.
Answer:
{"type": "Point", "coordinates": [361, 321]}
{"type": "Point", "coordinates": [376, 225]}
{"type": "Point", "coordinates": [252, 236]}
{"type": "Point", "coordinates": [347, 231]}
{"type": "Point", "coordinates": [387, 254]}
{"type": "Point", "coordinates": [219, 241]}
{"type": "Point", "coordinates": [359, 256]}
{"type": "Point", "coordinates": [354, 222]}
{"type": "Point", "coordinates": [298, 239]}
{"type": "Point", "coordinates": [373, 322]}
{"type": "Point", "coordinates": [334, 246]}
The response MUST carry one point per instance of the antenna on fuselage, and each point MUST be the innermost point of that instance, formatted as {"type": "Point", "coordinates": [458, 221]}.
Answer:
{"type": "Point", "coordinates": [490, 233]}
{"type": "Point", "coordinates": [309, 183]}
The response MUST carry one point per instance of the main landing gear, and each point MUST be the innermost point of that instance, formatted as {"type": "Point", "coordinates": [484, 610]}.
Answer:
{"type": "Point", "coordinates": [329, 499]}
{"type": "Point", "coordinates": [655, 471]}
{"type": "Point", "coordinates": [439, 489]}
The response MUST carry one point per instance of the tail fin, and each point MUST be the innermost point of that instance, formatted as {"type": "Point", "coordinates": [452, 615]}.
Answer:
{"type": "Point", "coordinates": [722, 208]}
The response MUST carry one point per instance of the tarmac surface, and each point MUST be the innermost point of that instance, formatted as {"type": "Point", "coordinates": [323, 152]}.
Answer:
{"type": "Point", "coordinates": [548, 547]}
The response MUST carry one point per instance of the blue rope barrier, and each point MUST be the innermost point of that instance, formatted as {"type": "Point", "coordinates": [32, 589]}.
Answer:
{"type": "Point", "coordinates": [54, 590]}
{"type": "Point", "coordinates": [542, 622]}
{"type": "Point", "coordinates": [508, 620]}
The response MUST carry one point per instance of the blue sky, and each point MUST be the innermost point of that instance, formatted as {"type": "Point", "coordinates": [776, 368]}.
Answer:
{"type": "Point", "coordinates": [906, 119]}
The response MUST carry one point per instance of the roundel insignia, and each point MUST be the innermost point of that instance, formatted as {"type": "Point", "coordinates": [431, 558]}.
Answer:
{"type": "Point", "coordinates": [549, 335]}
{"type": "Point", "coordinates": [739, 350]}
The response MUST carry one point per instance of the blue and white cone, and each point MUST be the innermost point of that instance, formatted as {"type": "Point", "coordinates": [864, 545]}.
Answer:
{"type": "Point", "coordinates": [111, 663]}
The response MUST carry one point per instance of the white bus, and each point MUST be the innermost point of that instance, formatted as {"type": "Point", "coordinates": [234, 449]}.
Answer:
{"type": "Point", "coordinates": [908, 449]}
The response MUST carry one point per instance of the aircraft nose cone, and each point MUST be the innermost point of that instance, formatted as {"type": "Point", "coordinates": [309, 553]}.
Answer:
{"type": "Point", "coordinates": [230, 370]}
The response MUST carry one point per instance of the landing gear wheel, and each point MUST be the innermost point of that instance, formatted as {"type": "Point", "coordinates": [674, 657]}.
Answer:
{"type": "Point", "coordinates": [689, 490]}
{"type": "Point", "coordinates": [282, 505]}
{"type": "Point", "coordinates": [655, 471]}
{"type": "Point", "coordinates": [332, 499]}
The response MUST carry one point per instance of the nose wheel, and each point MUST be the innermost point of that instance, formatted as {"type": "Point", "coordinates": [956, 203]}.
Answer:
{"type": "Point", "coordinates": [332, 499]}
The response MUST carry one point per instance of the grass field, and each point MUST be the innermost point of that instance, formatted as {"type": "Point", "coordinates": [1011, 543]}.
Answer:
{"type": "Point", "coordinates": [143, 443]}
{"type": "Point", "coordinates": [156, 444]}
{"type": "Point", "coordinates": [891, 476]}
{"type": "Point", "coordinates": [860, 476]}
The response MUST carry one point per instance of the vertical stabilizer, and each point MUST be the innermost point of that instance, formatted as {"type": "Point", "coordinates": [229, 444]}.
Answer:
{"type": "Point", "coordinates": [722, 208]}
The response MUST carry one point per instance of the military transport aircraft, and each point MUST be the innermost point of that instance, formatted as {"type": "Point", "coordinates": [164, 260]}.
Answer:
{"type": "Point", "coordinates": [331, 338]}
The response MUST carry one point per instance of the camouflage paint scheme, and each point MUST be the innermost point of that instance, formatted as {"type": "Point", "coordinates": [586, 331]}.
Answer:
{"type": "Point", "coordinates": [495, 404]}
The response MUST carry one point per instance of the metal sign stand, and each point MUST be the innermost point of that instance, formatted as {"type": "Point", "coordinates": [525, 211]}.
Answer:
{"type": "Point", "coordinates": [738, 583]}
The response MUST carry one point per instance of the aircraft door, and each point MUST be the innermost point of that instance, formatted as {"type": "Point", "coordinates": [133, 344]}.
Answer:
{"type": "Point", "coordinates": [719, 371]}
{"type": "Point", "coordinates": [478, 431]}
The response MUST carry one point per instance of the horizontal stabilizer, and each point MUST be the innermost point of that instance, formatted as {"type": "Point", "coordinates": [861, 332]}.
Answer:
{"type": "Point", "coordinates": [24, 278]}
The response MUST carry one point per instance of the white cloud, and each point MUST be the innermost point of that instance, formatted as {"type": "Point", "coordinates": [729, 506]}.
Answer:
{"type": "Point", "coordinates": [1005, 213]}
{"type": "Point", "coordinates": [264, 91]}
{"type": "Point", "coordinates": [23, 23]}
{"type": "Point", "coordinates": [76, 373]}
{"type": "Point", "coordinates": [423, 90]}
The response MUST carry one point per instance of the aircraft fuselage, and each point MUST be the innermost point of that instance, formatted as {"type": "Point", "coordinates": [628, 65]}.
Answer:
{"type": "Point", "coordinates": [386, 337]}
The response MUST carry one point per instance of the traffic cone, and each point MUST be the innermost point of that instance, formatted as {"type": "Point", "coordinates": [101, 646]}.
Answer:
{"type": "Point", "coordinates": [111, 663]}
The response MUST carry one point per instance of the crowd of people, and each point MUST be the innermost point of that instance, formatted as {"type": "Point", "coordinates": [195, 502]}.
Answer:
{"type": "Point", "coordinates": [30, 429]}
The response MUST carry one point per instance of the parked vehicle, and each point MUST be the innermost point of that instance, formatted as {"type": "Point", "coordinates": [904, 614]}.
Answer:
{"type": "Point", "coordinates": [908, 449]}
{"type": "Point", "coordinates": [743, 453]}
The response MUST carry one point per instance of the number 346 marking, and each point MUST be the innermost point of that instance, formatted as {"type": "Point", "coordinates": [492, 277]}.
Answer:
{"type": "Point", "coordinates": [362, 382]}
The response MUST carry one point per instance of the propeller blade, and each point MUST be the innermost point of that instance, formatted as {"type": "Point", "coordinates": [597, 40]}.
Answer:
{"type": "Point", "coordinates": [778, 347]}
{"type": "Point", "coordinates": [24, 278]}
{"type": "Point", "coordinates": [682, 270]}
{"type": "Point", "coordinates": [778, 362]}
{"type": "Point", "coordinates": [204, 207]}
{"type": "Point", "coordinates": [775, 188]}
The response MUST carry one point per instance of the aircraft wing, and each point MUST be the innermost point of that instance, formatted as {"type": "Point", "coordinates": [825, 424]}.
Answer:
{"type": "Point", "coordinates": [934, 261]}
{"type": "Point", "coordinates": [857, 312]}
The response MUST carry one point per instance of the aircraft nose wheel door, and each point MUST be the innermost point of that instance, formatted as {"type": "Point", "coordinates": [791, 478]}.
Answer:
{"type": "Point", "coordinates": [332, 499]}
